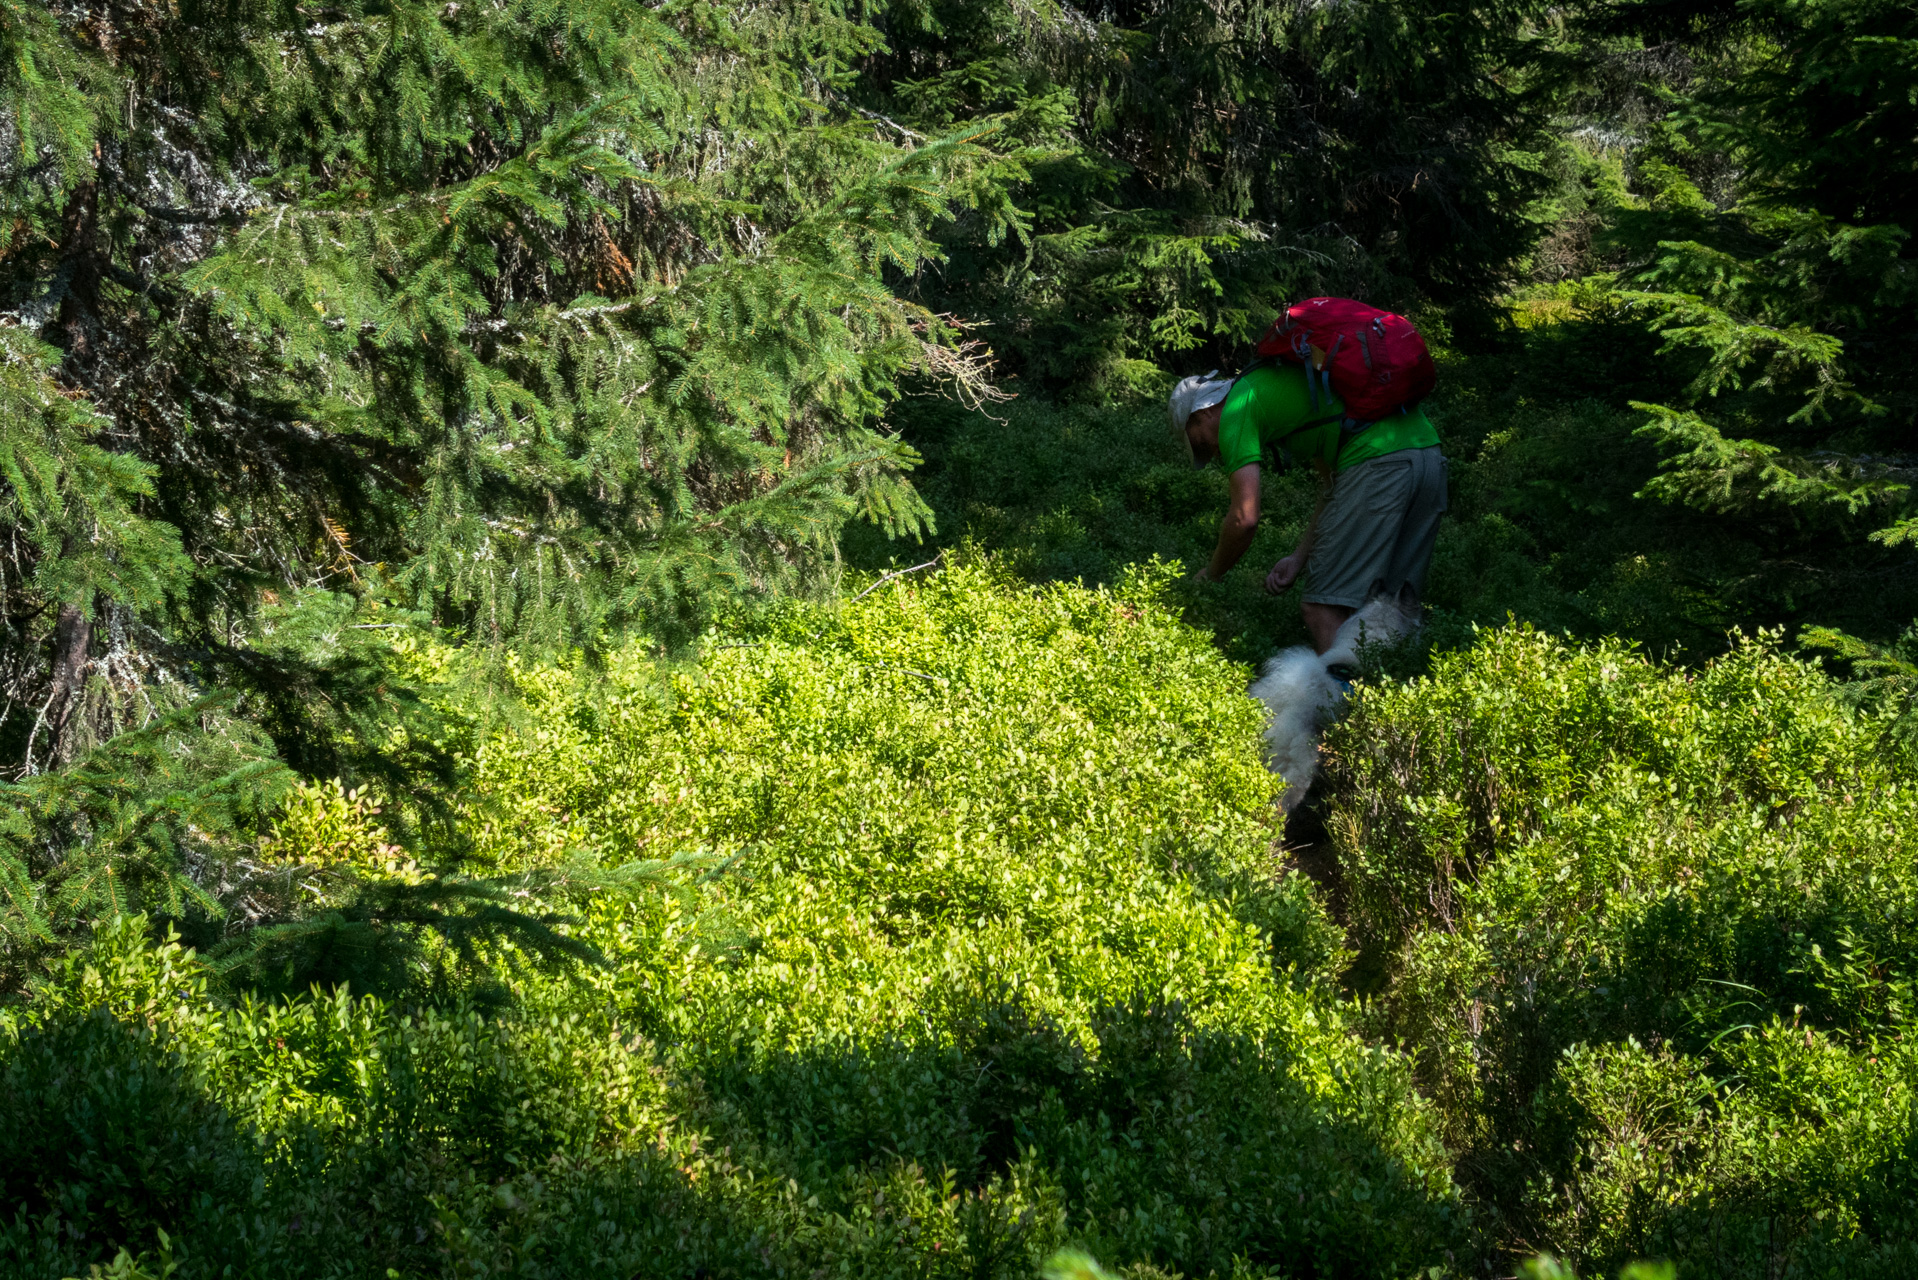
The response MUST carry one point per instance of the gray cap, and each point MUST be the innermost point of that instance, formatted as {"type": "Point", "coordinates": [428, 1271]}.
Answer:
{"type": "Point", "coordinates": [1200, 391]}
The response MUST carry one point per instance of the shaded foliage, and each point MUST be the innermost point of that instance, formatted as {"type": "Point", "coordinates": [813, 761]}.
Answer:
{"type": "Point", "coordinates": [1651, 936]}
{"type": "Point", "coordinates": [1195, 166]}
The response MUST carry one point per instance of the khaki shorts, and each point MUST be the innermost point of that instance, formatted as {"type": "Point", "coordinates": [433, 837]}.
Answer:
{"type": "Point", "coordinates": [1375, 536]}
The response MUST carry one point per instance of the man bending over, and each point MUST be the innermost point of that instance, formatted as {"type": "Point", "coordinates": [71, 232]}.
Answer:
{"type": "Point", "coordinates": [1382, 488]}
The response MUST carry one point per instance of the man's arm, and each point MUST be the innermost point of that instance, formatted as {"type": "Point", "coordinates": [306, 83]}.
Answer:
{"type": "Point", "coordinates": [1287, 571]}
{"type": "Point", "coordinates": [1240, 523]}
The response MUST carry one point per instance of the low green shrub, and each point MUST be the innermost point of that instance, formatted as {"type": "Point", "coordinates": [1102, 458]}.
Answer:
{"type": "Point", "coordinates": [978, 948]}
{"type": "Point", "coordinates": [1006, 889]}
{"type": "Point", "coordinates": [334, 1135]}
{"type": "Point", "coordinates": [1652, 936]}
{"type": "Point", "coordinates": [1543, 525]}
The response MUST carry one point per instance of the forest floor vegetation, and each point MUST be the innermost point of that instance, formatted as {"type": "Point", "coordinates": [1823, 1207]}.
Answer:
{"type": "Point", "coordinates": [969, 934]}
{"type": "Point", "coordinates": [1004, 958]}
{"type": "Point", "coordinates": [598, 673]}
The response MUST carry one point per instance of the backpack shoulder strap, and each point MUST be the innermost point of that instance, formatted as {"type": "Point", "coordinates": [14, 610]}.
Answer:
{"type": "Point", "coordinates": [1310, 424]}
{"type": "Point", "coordinates": [1256, 362]}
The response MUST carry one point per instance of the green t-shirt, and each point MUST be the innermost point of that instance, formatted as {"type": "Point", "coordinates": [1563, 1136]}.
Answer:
{"type": "Point", "coordinates": [1269, 406]}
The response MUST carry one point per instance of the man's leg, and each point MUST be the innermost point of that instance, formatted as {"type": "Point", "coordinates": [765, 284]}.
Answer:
{"type": "Point", "coordinates": [1322, 622]}
{"type": "Point", "coordinates": [1354, 548]}
{"type": "Point", "coordinates": [1418, 533]}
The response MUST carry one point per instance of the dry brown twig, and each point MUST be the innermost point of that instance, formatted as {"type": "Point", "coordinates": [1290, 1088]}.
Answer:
{"type": "Point", "coordinates": [964, 366]}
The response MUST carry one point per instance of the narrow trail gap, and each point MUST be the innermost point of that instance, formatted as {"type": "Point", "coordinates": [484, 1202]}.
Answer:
{"type": "Point", "coordinates": [1307, 848]}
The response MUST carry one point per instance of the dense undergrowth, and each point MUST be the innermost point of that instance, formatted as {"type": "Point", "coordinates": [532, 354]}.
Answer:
{"type": "Point", "coordinates": [1549, 520]}
{"type": "Point", "coordinates": [947, 927]}
{"type": "Point", "coordinates": [1003, 960]}
{"type": "Point", "coordinates": [1649, 935]}
{"type": "Point", "coordinates": [956, 930]}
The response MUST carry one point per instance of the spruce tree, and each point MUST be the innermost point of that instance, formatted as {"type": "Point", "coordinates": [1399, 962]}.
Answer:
{"type": "Point", "coordinates": [538, 322]}
{"type": "Point", "coordinates": [1197, 165]}
{"type": "Point", "coordinates": [1770, 246]}
{"type": "Point", "coordinates": [1773, 252]}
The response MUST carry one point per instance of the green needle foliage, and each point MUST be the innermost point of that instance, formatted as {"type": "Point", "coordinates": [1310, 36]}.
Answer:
{"type": "Point", "coordinates": [1770, 250]}
{"type": "Point", "coordinates": [124, 827]}
{"type": "Point", "coordinates": [70, 503]}
{"type": "Point", "coordinates": [539, 323]}
{"type": "Point", "coordinates": [1194, 166]}
{"type": "Point", "coordinates": [573, 316]}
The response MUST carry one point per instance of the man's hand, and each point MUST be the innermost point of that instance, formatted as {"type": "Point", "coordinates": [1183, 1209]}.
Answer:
{"type": "Point", "coordinates": [1204, 575]}
{"type": "Point", "coordinates": [1284, 574]}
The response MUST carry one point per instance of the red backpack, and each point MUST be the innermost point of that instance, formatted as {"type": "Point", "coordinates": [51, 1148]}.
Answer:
{"type": "Point", "coordinates": [1372, 360]}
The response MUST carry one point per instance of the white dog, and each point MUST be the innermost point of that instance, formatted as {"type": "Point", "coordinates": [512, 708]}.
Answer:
{"type": "Point", "coordinates": [1301, 694]}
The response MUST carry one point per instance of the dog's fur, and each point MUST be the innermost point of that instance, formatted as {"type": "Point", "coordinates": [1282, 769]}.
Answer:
{"type": "Point", "coordinates": [1301, 695]}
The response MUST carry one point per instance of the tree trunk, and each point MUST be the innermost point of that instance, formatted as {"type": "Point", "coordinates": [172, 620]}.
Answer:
{"type": "Point", "coordinates": [79, 246]}
{"type": "Point", "coordinates": [72, 637]}
{"type": "Point", "coordinates": [72, 632]}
